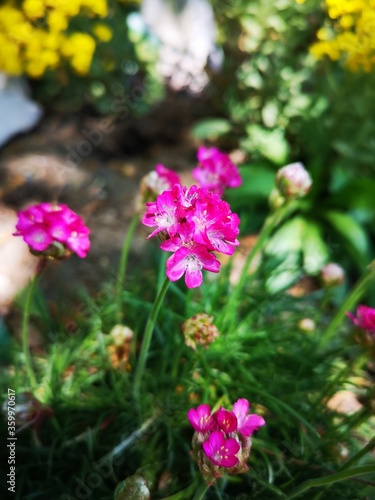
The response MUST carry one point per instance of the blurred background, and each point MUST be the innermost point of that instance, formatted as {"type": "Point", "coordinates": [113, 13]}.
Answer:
{"type": "Point", "coordinates": [93, 94]}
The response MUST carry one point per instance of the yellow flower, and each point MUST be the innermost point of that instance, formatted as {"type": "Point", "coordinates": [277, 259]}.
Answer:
{"type": "Point", "coordinates": [57, 21]}
{"type": "Point", "coordinates": [353, 34]}
{"type": "Point", "coordinates": [34, 9]}
{"type": "Point", "coordinates": [80, 48]}
{"type": "Point", "coordinates": [102, 32]}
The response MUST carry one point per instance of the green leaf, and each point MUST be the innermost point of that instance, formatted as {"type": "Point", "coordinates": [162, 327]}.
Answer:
{"type": "Point", "coordinates": [353, 234]}
{"type": "Point", "coordinates": [272, 144]}
{"type": "Point", "coordinates": [315, 250]}
{"type": "Point", "coordinates": [212, 128]}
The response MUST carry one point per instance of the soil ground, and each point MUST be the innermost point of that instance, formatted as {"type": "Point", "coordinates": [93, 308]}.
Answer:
{"type": "Point", "coordinates": [100, 185]}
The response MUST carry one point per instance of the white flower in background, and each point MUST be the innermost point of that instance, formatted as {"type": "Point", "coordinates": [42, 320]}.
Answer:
{"type": "Point", "coordinates": [19, 113]}
{"type": "Point", "coordinates": [186, 31]}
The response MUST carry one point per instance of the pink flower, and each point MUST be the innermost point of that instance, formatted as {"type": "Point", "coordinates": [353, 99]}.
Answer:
{"type": "Point", "coordinates": [191, 261]}
{"type": "Point", "coordinates": [169, 177]}
{"type": "Point", "coordinates": [221, 451]}
{"type": "Point", "coordinates": [247, 424]}
{"type": "Point", "coordinates": [53, 230]}
{"type": "Point", "coordinates": [164, 212]}
{"type": "Point", "coordinates": [194, 223]}
{"type": "Point", "coordinates": [201, 418]}
{"type": "Point", "coordinates": [221, 442]}
{"type": "Point", "coordinates": [216, 171]}
{"type": "Point", "coordinates": [226, 420]}
{"type": "Point", "coordinates": [365, 318]}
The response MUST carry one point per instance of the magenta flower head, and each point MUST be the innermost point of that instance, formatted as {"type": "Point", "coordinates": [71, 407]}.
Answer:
{"type": "Point", "coordinates": [193, 223]}
{"type": "Point", "coordinates": [201, 418]}
{"type": "Point", "coordinates": [53, 231]}
{"type": "Point", "coordinates": [293, 180]}
{"type": "Point", "coordinates": [221, 442]}
{"type": "Point", "coordinates": [365, 319]}
{"type": "Point", "coordinates": [221, 451]}
{"type": "Point", "coordinates": [247, 424]}
{"type": "Point", "coordinates": [216, 171]}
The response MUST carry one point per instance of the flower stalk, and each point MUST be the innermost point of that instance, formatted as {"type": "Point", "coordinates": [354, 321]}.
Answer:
{"type": "Point", "coordinates": [25, 332]}
{"type": "Point", "coordinates": [148, 336]}
{"type": "Point", "coordinates": [201, 491]}
{"type": "Point", "coordinates": [123, 262]}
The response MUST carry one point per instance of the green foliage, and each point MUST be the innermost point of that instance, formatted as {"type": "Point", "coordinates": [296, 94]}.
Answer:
{"type": "Point", "coordinates": [285, 106]}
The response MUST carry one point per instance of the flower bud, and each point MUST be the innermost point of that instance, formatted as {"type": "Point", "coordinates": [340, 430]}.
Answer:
{"type": "Point", "coordinates": [293, 180]}
{"type": "Point", "coordinates": [199, 330]}
{"type": "Point", "coordinates": [154, 183]}
{"type": "Point", "coordinates": [306, 325]}
{"type": "Point", "coordinates": [135, 487]}
{"type": "Point", "coordinates": [332, 275]}
{"type": "Point", "coordinates": [120, 338]}
{"type": "Point", "coordinates": [121, 334]}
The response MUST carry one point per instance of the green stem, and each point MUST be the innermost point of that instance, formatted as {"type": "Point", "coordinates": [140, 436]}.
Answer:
{"type": "Point", "coordinates": [270, 224]}
{"type": "Point", "coordinates": [369, 447]}
{"type": "Point", "coordinates": [123, 262]}
{"type": "Point", "coordinates": [25, 332]}
{"type": "Point", "coordinates": [201, 491]}
{"type": "Point", "coordinates": [148, 335]}
{"type": "Point", "coordinates": [356, 294]}
{"type": "Point", "coordinates": [332, 478]}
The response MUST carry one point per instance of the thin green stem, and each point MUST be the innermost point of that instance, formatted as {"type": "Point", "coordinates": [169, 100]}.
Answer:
{"type": "Point", "coordinates": [123, 262]}
{"type": "Point", "coordinates": [25, 332]}
{"type": "Point", "coordinates": [201, 491]}
{"type": "Point", "coordinates": [332, 478]}
{"type": "Point", "coordinates": [269, 226]}
{"type": "Point", "coordinates": [356, 294]}
{"type": "Point", "coordinates": [351, 461]}
{"type": "Point", "coordinates": [182, 495]}
{"type": "Point", "coordinates": [148, 335]}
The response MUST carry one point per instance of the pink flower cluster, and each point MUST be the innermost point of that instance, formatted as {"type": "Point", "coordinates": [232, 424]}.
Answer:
{"type": "Point", "coordinates": [53, 230]}
{"type": "Point", "coordinates": [222, 442]}
{"type": "Point", "coordinates": [216, 171]}
{"type": "Point", "coordinates": [193, 224]}
{"type": "Point", "coordinates": [365, 318]}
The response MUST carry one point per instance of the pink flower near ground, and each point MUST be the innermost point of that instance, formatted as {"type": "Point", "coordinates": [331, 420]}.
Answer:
{"type": "Point", "coordinates": [216, 171]}
{"type": "Point", "coordinates": [247, 424]}
{"type": "Point", "coordinates": [221, 451]}
{"type": "Point", "coordinates": [201, 418]}
{"type": "Point", "coordinates": [365, 318]}
{"type": "Point", "coordinates": [48, 227]}
{"type": "Point", "coordinates": [222, 440]}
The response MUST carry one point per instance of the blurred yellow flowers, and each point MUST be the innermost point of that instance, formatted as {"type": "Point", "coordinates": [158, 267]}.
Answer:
{"type": "Point", "coordinates": [349, 34]}
{"type": "Point", "coordinates": [34, 38]}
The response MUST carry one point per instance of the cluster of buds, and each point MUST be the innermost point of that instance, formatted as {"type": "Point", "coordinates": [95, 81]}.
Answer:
{"type": "Point", "coordinates": [293, 181]}
{"type": "Point", "coordinates": [365, 322]}
{"type": "Point", "coordinates": [332, 275]}
{"type": "Point", "coordinates": [120, 339]}
{"type": "Point", "coordinates": [222, 440]}
{"type": "Point", "coordinates": [199, 330]}
{"type": "Point", "coordinates": [53, 231]}
{"type": "Point", "coordinates": [216, 171]}
{"type": "Point", "coordinates": [193, 223]}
